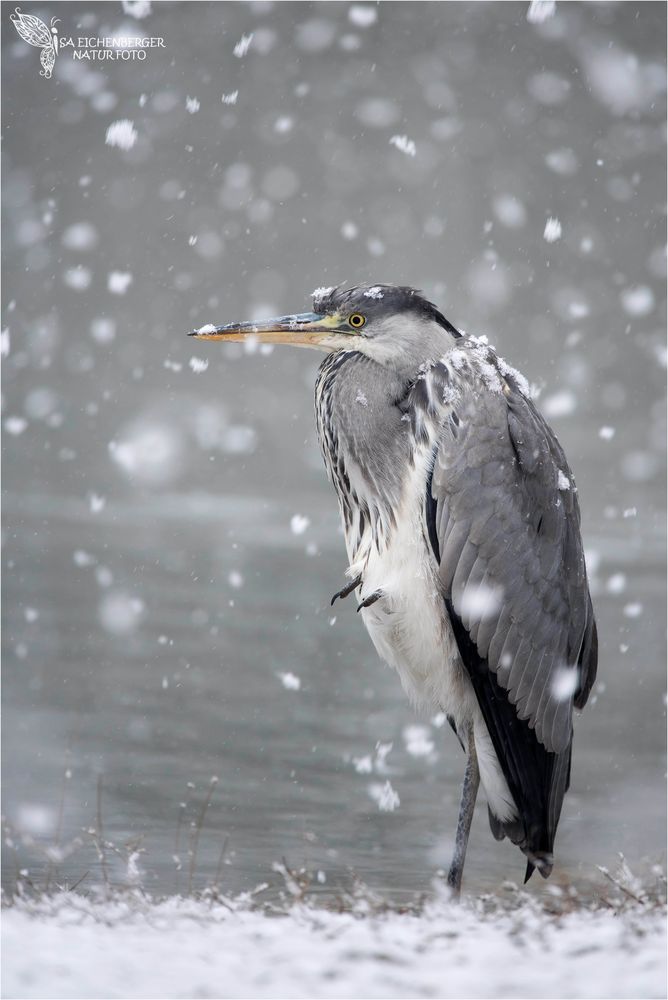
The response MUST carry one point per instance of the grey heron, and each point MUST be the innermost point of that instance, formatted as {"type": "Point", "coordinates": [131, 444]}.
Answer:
{"type": "Point", "coordinates": [462, 530]}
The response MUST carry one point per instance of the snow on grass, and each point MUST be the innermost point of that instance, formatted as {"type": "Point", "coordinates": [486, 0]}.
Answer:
{"type": "Point", "coordinates": [132, 946]}
{"type": "Point", "coordinates": [121, 133]}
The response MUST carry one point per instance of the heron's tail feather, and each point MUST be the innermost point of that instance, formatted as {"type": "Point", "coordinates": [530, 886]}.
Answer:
{"type": "Point", "coordinates": [543, 862]}
{"type": "Point", "coordinates": [536, 846]}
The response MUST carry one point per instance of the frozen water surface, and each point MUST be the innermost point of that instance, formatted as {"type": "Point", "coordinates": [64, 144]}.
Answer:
{"type": "Point", "coordinates": [170, 541]}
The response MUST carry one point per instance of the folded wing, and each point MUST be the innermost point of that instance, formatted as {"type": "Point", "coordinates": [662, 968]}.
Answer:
{"type": "Point", "coordinates": [502, 519]}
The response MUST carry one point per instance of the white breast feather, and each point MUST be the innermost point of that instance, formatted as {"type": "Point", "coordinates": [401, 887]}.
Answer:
{"type": "Point", "coordinates": [408, 625]}
{"type": "Point", "coordinates": [410, 628]}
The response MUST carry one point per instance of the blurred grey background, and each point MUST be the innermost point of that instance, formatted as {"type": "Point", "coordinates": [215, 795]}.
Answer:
{"type": "Point", "coordinates": [170, 541]}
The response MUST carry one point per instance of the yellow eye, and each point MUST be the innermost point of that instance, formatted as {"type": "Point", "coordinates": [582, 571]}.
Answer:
{"type": "Point", "coordinates": [357, 321]}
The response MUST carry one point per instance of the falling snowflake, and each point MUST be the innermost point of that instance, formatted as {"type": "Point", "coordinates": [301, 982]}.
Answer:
{"type": "Point", "coordinates": [404, 144]}
{"type": "Point", "coordinates": [384, 796]}
{"type": "Point", "coordinates": [480, 602]}
{"type": "Point", "coordinates": [198, 365]}
{"type": "Point", "coordinates": [290, 681]}
{"type": "Point", "coordinates": [137, 8]}
{"type": "Point", "coordinates": [616, 584]}
{"type": "Point", "coordinates": [565, 682]}
{"type": "Point", "coordinates": [541, 10]}
{"type": "Point", "coordinates": [638, 301]}
{"type": "Point", "coordinates": [418, 740]}
{"type": "Point", "coordinates": [15, 425]}
{"type": "Point", "coordinates": [362, 17]}
{"type": "Point", "coordinates": [118, 282]}
{"type": "Point", "coordinates": [122, 134]}
{"type": "Point", "coordinates": [243, 45]}
{"type": "Point", "coordinates": [552, 230]}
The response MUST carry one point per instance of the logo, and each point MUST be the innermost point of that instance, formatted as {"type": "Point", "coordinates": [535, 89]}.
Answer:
{"type": "Point", "coordinates": [35, 32]}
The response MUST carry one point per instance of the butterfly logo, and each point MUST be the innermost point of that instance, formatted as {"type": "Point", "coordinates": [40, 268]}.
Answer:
{"type": "Point", "coordinates": [33, 31]}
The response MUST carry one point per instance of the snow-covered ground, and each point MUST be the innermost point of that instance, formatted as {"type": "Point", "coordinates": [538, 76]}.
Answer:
{"type": "Point", "coordinates": [70, 946]}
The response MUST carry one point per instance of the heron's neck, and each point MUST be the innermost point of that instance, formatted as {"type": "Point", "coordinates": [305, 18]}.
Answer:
{"type": "Point", "coordinates": [364, 438]}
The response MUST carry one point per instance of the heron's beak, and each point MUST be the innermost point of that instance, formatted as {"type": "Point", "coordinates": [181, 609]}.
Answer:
{"type": "Point", "coordinates": [301, 329]}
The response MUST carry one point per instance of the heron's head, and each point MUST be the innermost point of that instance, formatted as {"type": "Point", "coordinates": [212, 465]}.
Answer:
{"type": "Point", "coordinates": [392, 324]}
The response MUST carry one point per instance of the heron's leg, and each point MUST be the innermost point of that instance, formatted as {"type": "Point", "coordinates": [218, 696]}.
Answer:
{"type": "Point", "coordinates": [466, 807]}
{"type": "Point", "coordinates": [348, 589]}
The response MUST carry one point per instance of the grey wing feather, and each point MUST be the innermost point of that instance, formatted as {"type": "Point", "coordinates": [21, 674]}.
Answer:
{"type": "Point", "coordinates": [510, 554]}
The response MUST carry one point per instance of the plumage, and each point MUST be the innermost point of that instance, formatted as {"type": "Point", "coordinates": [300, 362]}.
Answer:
{"type": "Point", "coordinates": [500, 546]}
{"type": "Point", "coordinates": [462, 529]}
